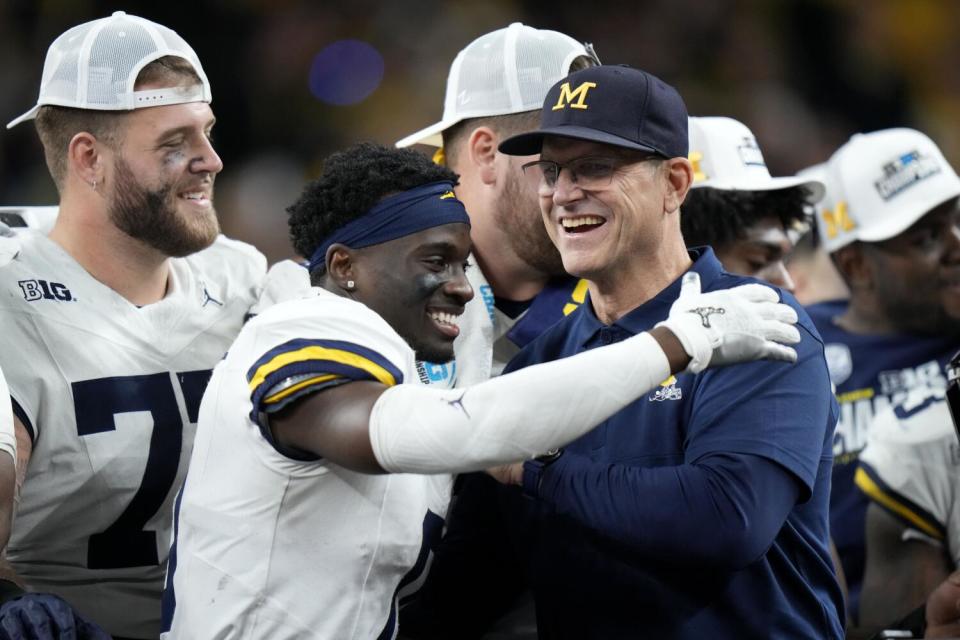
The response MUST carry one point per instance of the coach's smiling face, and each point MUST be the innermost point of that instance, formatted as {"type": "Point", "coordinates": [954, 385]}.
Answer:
{"type": "Point", "coordinates": [418, 285]}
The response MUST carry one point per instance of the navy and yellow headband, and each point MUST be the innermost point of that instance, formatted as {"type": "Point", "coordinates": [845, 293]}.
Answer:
{"type": "Point", "coordinates": [396, 216]}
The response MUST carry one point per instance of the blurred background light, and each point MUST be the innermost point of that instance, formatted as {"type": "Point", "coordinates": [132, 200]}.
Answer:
{"type": "Point", "coordinates": [346, 72]}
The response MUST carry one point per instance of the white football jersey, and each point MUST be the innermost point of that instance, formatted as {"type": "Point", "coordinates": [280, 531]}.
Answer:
{"type": "Point", "coordinates": [8, 440]}
{"type": "Point", "coordinates": [110, 392]}
{"type": "Point", "coordinates": [911, 468]}
{"type": "Point", "coordinates": [269, 546]}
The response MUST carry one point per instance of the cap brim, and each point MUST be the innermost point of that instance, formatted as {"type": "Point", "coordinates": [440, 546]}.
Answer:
{"type": "Point", "coordinates": [429, 136]}
{"type": "Point", "coordinates": [816, 190]}
{"type": "Point", "coordinates": [528, 144]}
{"type": "Point", "coordinates": [29, 115]}
{"type": "Point", "coordinates": [906, 219]}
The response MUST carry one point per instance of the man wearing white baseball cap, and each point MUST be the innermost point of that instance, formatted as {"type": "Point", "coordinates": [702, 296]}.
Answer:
{"type": "Point", "coordinates": [893, 235]}
{"type": "Point", "coordinates": [113, 322]}
{"type": "Point", "coordinates": [735, 206]}
{"type": "Point", "coordinates": [495, 89]}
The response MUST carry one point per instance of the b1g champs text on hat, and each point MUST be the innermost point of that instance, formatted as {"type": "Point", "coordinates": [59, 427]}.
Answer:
{"type": "Point", "coordinates": [502, 72]}
{"type": "Point", "coordinates": [95, 66]}
{"type": "Point", "coordinates": [885, 182]}
{"type": "Point", "coordinates": [611, 104]}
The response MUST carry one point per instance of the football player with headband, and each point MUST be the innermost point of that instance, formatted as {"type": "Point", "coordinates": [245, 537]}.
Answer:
{"type": "Point", "coordinates": [289, 525]}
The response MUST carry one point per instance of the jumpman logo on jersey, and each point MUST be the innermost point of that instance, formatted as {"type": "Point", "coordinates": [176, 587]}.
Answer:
{"type": "Point", "coordinates": [207, 298]}
{"type": "Point", "coordinates": [706, 312]}
{"type": "Point", "coordinates": [459, 403]}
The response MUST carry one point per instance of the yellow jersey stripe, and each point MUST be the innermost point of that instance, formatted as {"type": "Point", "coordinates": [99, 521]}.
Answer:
{"type": "Point", "coordinates": [878, 495]}
{"type": "Point", "coordinates": [322, 353]}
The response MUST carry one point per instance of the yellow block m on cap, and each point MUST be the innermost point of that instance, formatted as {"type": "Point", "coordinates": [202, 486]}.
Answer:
{"type": "Point", "coordinates": [576, 99]}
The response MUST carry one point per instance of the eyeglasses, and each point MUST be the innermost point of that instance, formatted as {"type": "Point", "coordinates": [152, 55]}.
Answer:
{"type": "Point", "coordinates": [589, 172]}
{"type": "Point", "coordinates": [953, 391]}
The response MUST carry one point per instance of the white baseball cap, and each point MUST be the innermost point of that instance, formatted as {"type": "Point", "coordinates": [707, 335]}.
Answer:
{"type": "Point", "coordinates": [95, 65]}
{"type": "Point", "coordinates": [505, 71]}
{"type": "Point", "coordinates": [726, 156]}
{"type": "Point", "coordinates": [885, 181]}
{"type": "Point", "coordinates": [820, 173]}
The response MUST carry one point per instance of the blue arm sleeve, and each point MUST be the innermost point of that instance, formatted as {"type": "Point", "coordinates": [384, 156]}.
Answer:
{"type": "Point", "coordinates": [725, 510]}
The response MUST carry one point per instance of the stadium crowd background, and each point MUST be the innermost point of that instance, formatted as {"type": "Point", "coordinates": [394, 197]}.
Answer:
{"type": "Point", "coordinates": [294, 80]}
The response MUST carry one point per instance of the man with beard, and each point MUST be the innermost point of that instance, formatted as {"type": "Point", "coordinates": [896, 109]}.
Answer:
{"type": "Point", "coordinates": [894, 235]}
{"type": "Point", "coordinates": [495, 89]}
{"type": "Point", "coordinates": [113, 321]}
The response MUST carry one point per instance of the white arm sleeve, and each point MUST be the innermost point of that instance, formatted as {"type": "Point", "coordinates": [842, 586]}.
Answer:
{"type": "Point", "coordinates": [417, 429]}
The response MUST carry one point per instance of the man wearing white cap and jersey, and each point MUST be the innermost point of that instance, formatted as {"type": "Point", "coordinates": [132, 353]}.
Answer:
{"type": "Point", "coordinates": [113, 321]}
{"type": "Point", "coordinates": [893, 235]}
{"type": "Point", "coordinates": [495, 90]}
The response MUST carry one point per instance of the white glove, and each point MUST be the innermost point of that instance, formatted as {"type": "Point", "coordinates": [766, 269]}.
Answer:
{"type": "Point", "coordinates": [731, 325]}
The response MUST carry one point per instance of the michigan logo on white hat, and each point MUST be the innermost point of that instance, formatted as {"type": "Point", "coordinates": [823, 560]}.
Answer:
{"type": "Point", "coordinates": [885, 181]}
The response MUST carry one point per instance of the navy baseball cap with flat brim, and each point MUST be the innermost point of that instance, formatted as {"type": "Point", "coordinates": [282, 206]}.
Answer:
{"type": "Point", "coordinates": [610, 104]}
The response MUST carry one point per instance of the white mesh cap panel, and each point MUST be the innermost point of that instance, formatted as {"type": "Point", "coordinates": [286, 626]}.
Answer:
{"type": "Point", "coordinates": [59, 82]}
{"type": "Point", "coordinates": [115, 51]}
{"type": "Point", "coordinates": [506, 71]}
{"type": "Point", "coordinates": [95, 66]}
{"type": "Point", "coordinates": [542, 60]}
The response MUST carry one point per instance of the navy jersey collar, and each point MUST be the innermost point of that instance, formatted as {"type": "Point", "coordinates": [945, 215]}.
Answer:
{"type": "Point", "coordinates": [705, 263]}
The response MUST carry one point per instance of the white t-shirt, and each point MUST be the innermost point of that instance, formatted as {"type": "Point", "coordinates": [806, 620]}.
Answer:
{"type": "Point", "coordinates": [269, 546]}
{"type": "Point", "coordinates": [110, 393]}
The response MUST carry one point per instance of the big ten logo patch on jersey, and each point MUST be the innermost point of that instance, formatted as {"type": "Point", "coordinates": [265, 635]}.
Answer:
{"type": "Point", "coordinates": [34, 290]}
{"type": "Point", "coordinates": [668, 391]}
{"type": "Point", "coordinates": [859, 406]}
{"type": "Point", "coordinates": [905, 171]}
{"type": "Point", "coordinates": [438, 375]}
{"type": "Point", "coordinates": [576, 98]}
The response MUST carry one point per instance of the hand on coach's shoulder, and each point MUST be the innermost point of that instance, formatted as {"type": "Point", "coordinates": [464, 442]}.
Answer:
{"type": "Point", "coordinates": [44, 616]}
{"type": "Point", "coordinates": [729, 326]}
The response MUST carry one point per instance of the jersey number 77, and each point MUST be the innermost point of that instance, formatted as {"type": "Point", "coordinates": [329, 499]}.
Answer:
{"type": "Point", "coordinates": [125, 543]}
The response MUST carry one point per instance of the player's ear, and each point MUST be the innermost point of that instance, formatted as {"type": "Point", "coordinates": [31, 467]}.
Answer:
{"type": "Point", "coordinates": [481, 152]}
{"type": "Point", "coordinates": [854, 265]}
{"type": "Point", "coordinates": [342, 267]}
{"type": "Point", "coordinates": [85, 158]}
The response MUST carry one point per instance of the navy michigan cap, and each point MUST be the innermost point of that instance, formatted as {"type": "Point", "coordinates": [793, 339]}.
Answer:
{"type": "Point", "coordinates": [612, 104]}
